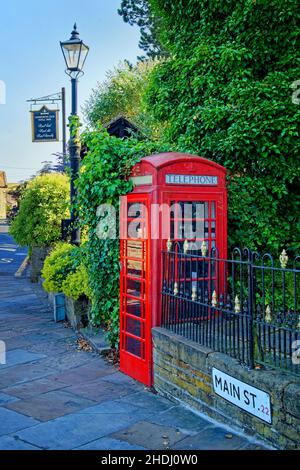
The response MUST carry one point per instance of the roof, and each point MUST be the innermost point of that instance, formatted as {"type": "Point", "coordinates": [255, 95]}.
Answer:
{"type": "Point", "coordinates": [162, 159]}
{"type": "Point", "coordinates": [3, 180]}
{"type": "Point", "coordinates": [121, 127]}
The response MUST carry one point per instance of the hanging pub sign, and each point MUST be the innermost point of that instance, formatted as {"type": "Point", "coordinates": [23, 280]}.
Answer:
{"type": "Point", "coordinates": [44, 124]}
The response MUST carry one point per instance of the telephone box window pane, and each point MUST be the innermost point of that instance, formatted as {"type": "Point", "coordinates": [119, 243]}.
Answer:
{"type": "Point", "coordinates": [134, 327]}
{"type": "Point", "coordinates": [172, 230]}
{"type": "Point", "coordinates": [134, 307]}
{"type": "Point", "coordinates": [194, 229]}
{"type": "Point", "coordinates": [135, 209]}
{"type": "Point", "coordinates": [213, 210]}
{"type": "Point", "coordinates": [135, 268]}
{"type": "Point", "coordinates": [206, 210]}
{"type": "Point", "coordinates": [206, 227]}
{"type": "Point", "coordinates": [198, 210]}
{"type": "Point", "coordinates": [136, 229]}
{"type": "Point", "coordinates": [133, 346]}
{"type": "Point", "coordinates": [213, 229]}
{"type": "Point", "coordinates": [179, 234]}
{"type": "Point", "coordinates": [134, 287]}
{"type": "Point", "coordinates": [134, 249]}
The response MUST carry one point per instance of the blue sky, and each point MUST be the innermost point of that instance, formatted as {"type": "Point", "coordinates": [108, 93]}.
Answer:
{"type": "Point", "coordinates": [32, 65]}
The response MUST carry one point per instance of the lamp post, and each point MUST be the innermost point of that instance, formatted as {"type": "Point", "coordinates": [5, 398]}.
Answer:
{"type": "Point", "coordinates": [75, 53]}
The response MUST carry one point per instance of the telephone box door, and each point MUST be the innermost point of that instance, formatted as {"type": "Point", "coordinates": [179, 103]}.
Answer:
{"type": "Point", "coordinates": [135, 321]}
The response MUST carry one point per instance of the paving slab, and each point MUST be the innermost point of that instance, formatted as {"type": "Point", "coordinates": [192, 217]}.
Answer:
{"type": "Point", "coordinates": [69, 360]}
{"type": "Point", "coordinates": [146, 399]}
{"type": "Point", "coordinates": [181, 419]}
{"type": "Point", "coordinates": [151, 436]}
{"type": "Point", "coordinates": [117, 378]}
{"type": "Point", "coordinates": [212, 438]}
{"type": "Point", "coordinates": [10, 421]}
{"type": "Point", "coordinates": [75, 430]}
{"type": "Point", "coordinates": [87, 372]}
{"type": "Point", "coordinates": [6, 398]}
{"type": "Point", "coordinates": [107, 443]}
{"type": "Point", "coordinates": [117, 407]}
{"type": "Point", "coordinates": [20, 356]}
{"type": "Point", "coordinates": [101, 391]}
{"type": "Point", "coordinates": [12, 443]}
{"type": "Point", "coordinates": [50, 405]}
{"type": "Point", "coordinates": [23, 373]}
{"type": "Point", "coordinates": [34, 387]}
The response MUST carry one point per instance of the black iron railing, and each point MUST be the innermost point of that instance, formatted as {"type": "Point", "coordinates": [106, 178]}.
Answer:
{"type": "Point", "coordinates": [245, 306]}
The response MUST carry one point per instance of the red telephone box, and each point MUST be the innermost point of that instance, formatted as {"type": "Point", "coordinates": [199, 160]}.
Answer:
{"type": "Point", "coordinates": [163, 185]}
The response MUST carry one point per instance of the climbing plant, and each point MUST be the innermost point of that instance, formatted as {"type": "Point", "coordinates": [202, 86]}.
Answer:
{"type": "Point", "coordinates": [103, 179]}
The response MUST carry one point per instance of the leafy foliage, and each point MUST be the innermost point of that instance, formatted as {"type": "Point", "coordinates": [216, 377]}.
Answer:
{"type": "Point", "coordinates": [121, 95]}
{"type": "Point", "coordinates": [44, 203]}
{"type": "Point", "coordinates": [103, 179]}
{"type": "Point", "coordinates": [225, 94]}
{"type": "Point", "coordinates": [137, 12]}
{"type": "Point", "coordinates": [64, 271]}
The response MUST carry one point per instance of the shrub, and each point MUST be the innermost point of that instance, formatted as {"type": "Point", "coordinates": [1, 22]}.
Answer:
{"type": "Point", "coordinates": [44, 204]}
{"type": "Point", "coordinates": [76, 284]}
{"type": "Point", "coordinates": [65, 272]}
{"type": "Point", "coordinates": [57, 266]}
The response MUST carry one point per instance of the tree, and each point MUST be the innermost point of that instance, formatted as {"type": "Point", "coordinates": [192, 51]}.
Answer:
{"type": "Point", "coordinates": [121, 94]}
{"type": "Point", "coordinates": [43, 205]}
{"type": "Point", "coordinates": [226, 94]}
{"type": "Point", "coordinates": [137, 12]}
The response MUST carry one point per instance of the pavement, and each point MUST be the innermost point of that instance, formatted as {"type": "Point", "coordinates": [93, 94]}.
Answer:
{"type": "Point", "coordinates": [55, 396]}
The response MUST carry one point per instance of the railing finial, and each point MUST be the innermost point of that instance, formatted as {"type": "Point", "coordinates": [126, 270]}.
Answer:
{"type": "Point", "coordinates": [214, 299]}
{"type": "Point", "coordinates": [176, 288]}
{"type": "Point", "coordinates": [268, 317]}
{"type": "Point", "coordinates": [203, 248]}
{"type": "Point", "coordinates": [185, 246]}
{"type": "Point", "coordinates": [194, 293]}
{"type": "Point", "coordinates": [237, 305]}
{"type": "Point", "coordinates": [283, 258]}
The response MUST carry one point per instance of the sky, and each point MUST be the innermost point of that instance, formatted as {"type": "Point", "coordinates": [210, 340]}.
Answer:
{"type": "Point", "coordinates": [32, 66]}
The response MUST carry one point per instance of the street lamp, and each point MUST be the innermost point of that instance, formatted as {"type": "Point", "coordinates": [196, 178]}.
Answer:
{"type": "Point", "coordinates": [75, 53]}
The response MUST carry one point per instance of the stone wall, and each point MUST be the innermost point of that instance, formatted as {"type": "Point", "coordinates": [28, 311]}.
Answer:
{"type": "Point", "coordinates": [183, 370]}
{"type": "Point", "coordinates": [37, 258]}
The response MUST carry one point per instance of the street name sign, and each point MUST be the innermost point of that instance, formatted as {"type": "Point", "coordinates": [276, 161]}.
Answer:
{"type": "Point", "coordinates": [44, 124]}
{"type": "Point", "coordinates": [250, 399]}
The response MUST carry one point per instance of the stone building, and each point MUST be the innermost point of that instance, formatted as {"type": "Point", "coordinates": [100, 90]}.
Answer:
{"type": "Point", "coordinates": [3, 189]}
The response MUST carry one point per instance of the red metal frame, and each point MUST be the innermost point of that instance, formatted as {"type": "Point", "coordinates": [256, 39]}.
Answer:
{"type": "Point", "coordinates": [135, 365]}
{"type": "Point", "coordinates": [156, 190]}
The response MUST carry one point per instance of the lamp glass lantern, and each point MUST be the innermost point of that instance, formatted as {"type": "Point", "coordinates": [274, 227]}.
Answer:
{"type": "Point", "coordinates": [75, 53]}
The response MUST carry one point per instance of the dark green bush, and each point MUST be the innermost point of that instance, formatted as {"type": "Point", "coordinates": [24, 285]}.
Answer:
{"type": "Point", "coordinates": [226, 94]}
